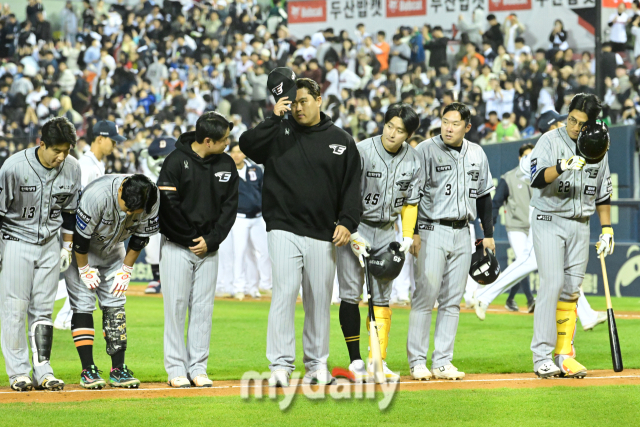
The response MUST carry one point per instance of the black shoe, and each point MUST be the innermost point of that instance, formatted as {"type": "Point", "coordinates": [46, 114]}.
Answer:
{"type": "Point", "coordinates": [123, 377]}
{"type": "Point", "coordinates": [511, 305]}
{"type": "Point", "coordinates": [531, 306]}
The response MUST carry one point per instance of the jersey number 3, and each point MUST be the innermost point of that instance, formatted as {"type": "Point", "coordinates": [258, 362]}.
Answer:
{"type": "Point", "coordinates": [28, 212]}
{"type": "Point", "coordinates": [372, 198]}
{"type": "Point", "coordinates": [448, 192]}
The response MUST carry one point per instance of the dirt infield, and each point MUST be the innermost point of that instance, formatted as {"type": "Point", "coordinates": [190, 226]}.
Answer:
{"type": "Point", "coordinates": [74, 393]}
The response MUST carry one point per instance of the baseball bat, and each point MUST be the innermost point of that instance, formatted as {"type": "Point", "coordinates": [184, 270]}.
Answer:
{"type": "Point", "coordinates": [614, 341]}
{"type": "Point", "coordinates": [374, 340]}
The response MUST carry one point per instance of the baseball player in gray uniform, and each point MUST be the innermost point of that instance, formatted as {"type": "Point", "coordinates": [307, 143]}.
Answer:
{"type": "Point", "coordinates": [112, 209]}
{"type": "Point", "coordinates": [566, 194]}
{"type": "Point", "coordinates": [198, 186]}
{"type": "Point", "coordinates": [39, 191]}
{"type": "Point", "coordinates": [390, 187]}
{"type": "Point", "coordinates": [457, 187]}
{"type": "Point", "coordinates": [91, 166]}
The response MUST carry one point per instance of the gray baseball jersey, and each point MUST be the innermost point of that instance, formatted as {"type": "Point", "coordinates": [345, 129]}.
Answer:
{"type": "Point", "coordinates": [100, 219]}
{"type": "Point", "coordinates": [389, 181]}
{"type": "Point", "coordinates": [32, 197]}
{"type": "Point", "coordinates": [573, 194]}
{"type": "Point", "coordinates": [453, 180]}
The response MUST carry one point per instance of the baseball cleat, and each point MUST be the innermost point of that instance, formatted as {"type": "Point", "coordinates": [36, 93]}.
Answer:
{"type": "Point", "coordinates": [22, 383]}
{"type": "Point", "coordinates": [601, 318]}
{"type": "Point", "coordinates": [239, 296]}
{"type": "Point", "coordinates": [50, 383]}
{"type": "Point", "coordinates": [531, 306]}
{"type": "Point", "coordinates": [179, 382]}
{"type": "Point", "coordinates": [447, 372]}
{"type": "Point", "coordinates": [389, 375]}
{"type": "Point", "coordinates": [153, 287]}
{"type": "Point", "coordinates": [90, 378]}
{"type": "Point", "coordinates": [572, 369]}
{"type": "Point", "coordinates": [403, 302]}
{"type": "Point", "coordinates": [222, 294]}
{"type": "Point", "coordinates": [62, 325]}
{"type": "Point", "coordinates": [548, 370]}
{"type": "Point", "coordinates": [256, 295]}
{"type": "Point", "coordinates": [481, 310]}
{"type": "Point", "coordinates": [201, 380]}
{"type": "Point", "coordinates": [279, 378]}
{"type": "Point", "coordinates": [511, 306]}
{"type": "Point", "coordinates": [123, 377]}
{"type": "Point", "coordinates": [265, 292]}
{"type": "Point", "coordinates": [320, 377]}
{"type": "Point", "coordinates": [358, 370]}
{"type": "Point", "coordinates": [421, 373]}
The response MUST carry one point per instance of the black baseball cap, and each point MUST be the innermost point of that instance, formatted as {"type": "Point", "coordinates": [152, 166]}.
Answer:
{"type": "Point", "coordinates": [281, 83]}
{"type": "Point", "coordinates": [162, 146]}
{"type": "Point", "coordinates": [549, 118]}
{"type": "Point", "coordinates": [108, 129]}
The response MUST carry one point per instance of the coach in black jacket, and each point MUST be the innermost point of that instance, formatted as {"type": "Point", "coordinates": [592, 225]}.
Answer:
{"type": "Point", "coordinates": [310, 202]}
{"type": "Point", "coordinates": [198, 187]}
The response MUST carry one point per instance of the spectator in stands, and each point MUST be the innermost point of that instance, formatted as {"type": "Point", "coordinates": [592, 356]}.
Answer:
{"type": "Point", "coordinates": [618, 24]}
{"type": "Point", "coordinates": [399, 54]}
{"type": "Point", "coordinates": [475, 29]}
{"type": "Point", "coordinates": [507, 129]}
{"type": "Point", "coordinates": [558, 37]}
{"type": "Point", "coordinates": [494, 34]}
{"type": "Point", "coordinates": [513, 30]}
{"type": "Point", "coordinates": [382, 55]}
{"type": "Point", "coordinates": [437, 46]}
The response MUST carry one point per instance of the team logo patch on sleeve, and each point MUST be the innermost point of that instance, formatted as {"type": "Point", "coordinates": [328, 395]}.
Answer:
{"type": "Point", "coordinates": [590, 190]}
{"type": "Point", "coordinates": [374, 174]}
{"type": "Point", "coordinates": [443, 168]}
{"type": "Point", "coordinates": [399, 202]}
{"type": "Point", "coordinates": [543, 217]}
{"type": "Point", "coordinates": [534, 166]}
{"type": "Point", "coordinates": [338, 149]}
{"type": "Point", "coordinates": [82, 219]}
{"type": "Point", "coordinates": [223, 176]}
{"type": "Point", "coordinates": [55, 213]}
{"type": "Point", "coordinates": [473, 193]}
{"type": "Point", "coordinates": [153, 224]}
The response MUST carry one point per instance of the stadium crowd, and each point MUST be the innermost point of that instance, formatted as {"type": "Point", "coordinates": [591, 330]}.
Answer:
{"type": "Point", "coordinates": [154, 68]}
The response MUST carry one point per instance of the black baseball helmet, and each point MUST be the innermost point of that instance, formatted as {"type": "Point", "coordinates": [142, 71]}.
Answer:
{"type": "Point", "coordinates": [593, 141]}
{"type": "Point", "coordinates": [386, 263]}
{"type": "Point", "coordinates": [485, 269]}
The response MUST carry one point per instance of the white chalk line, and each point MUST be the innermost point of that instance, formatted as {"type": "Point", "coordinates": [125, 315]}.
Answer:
{"type": "Point", "coordinates": [132, 390]}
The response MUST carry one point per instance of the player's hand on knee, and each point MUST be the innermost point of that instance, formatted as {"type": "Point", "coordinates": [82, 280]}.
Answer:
{"type": "Point", "coordinates": [573, 163]}
{"type": "Point", "coordinates": [415, 247]}
{"type": "Point", "coordinates": [341, 236]}
{"type": "Point", "coordinates": [65, 256]}
{"type": "Point", "coordinates": [606, 243]}
{"type": "Point", "coordinates": [489, 243]}
{"type": "Point", "coordinates": [121, 280]}
{"type": "Point", "coordinates": [406, 244]}
{"type": "Point", "coordinates": [359, 247]}
{"type": "Point", "coordinates": [90, 276]}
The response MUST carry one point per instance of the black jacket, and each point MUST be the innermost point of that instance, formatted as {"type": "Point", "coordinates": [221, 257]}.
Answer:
{"type": "Point", "coordinates": [438, 48]}
{"type": "Point", "coordinates": [311, 178]}
{"type": "Point", "coordinates": [198, 197]}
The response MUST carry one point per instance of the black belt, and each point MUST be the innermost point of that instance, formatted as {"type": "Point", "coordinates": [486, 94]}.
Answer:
{"type": "Point", "coordinates": [462, 223]}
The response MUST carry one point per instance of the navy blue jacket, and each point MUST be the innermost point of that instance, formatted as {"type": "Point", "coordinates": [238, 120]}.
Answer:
{"type": "Point", "coordinates": [250, 191]}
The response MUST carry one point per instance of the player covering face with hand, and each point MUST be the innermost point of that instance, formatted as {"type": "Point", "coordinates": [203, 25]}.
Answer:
{"type": "Point", "coordinates": [567, 192]}
{"type": "Point", "coordinates": [391, 181]}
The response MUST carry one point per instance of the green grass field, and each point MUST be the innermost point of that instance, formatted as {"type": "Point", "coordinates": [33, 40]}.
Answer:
{"type": "Point", "coordinates": [500, 344]}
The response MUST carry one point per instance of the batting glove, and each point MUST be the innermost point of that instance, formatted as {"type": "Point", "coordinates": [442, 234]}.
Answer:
{"type": "Point", "coordinates": [406, 245]}
{"type": "Point", "coordinates": [90, 276]}
{"type": "Point", "coordinates": [359, 247]}
{"type": "Point", "coordinates": [575, 163]}
{"type": "Point", "coordinates": [605, 244]}
{"type": "Point", "coordinates": [65, 256]}
{"type": "Point", "coordinates": [121, 280]}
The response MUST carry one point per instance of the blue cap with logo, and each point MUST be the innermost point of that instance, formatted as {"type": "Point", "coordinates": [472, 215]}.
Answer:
{"type": "Point", "coordinates": [162, 146]}
{"type": "Point", "coordinates": [108, 129]}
